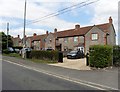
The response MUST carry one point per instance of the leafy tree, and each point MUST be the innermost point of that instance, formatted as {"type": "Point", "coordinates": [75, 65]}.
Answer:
{"type": "Point", "coordinates": [3, 41]}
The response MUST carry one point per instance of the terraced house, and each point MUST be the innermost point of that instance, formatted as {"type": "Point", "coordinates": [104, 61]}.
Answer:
{"type": "Point", "coordinates": [17, 41]}
{"type": "Point", "coordinates": [77, 38]}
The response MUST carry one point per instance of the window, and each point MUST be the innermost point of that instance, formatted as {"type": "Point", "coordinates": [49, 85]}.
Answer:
{"type": "Point", "coordinates": [65, 39]}
{"type": "Point", "coordinates": [75, 39]}
{"type": "Point", "coordinates": [50, 40]}
{"type": "Point", "coordinates": [36, 45]}
{"type": "Point", "coordinates": [94, 36]}
{"type": "Point", "coordinates": [44, 40]}
{"type": "Point", "coordinates": [65, 48]}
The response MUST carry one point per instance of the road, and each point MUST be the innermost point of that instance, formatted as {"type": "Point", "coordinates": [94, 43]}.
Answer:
{"type": "Point", "coordinates": [92, 79]}
{"type": "Point", "coordinates": [15, 77]}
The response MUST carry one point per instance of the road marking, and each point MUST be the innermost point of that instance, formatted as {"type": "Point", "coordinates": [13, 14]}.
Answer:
{"type": "Point", "coordinates": [86, 83]}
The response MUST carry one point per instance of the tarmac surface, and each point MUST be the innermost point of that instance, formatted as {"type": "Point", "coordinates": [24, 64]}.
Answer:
{"type": "Point", "coordinates": [103, 78]}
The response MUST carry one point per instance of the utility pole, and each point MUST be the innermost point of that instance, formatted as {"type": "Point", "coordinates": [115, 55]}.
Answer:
{"type": "Point", "coordinates": [24, 42]}
{"type": "Point", "coordinates": [24, 39]}
{"type": "Point", "coordinates": [7, 33]}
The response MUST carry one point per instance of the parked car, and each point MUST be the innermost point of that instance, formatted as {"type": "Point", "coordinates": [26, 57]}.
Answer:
{"type": "Point", "coordinates": [10, 49]}
{"type": "Point", "coordinates": [24, 50]}
{"type": "Point", "coordinates": [48, 49]}
{"type": "Point", "coordinates": [17, 50]}
{"type": "Point", "coordinates": [75, 55]}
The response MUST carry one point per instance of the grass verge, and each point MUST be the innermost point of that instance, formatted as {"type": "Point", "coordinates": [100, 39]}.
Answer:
{"type": "Point", "coordinates": [42, 61]}
{"type": "Point", "coordinates": [13, 55]}
{"type": "Point", "coordinates": [32, 60]}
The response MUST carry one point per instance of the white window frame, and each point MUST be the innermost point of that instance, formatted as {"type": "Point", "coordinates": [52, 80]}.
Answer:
{"type": "Point", "coordinates": [66, 39]}
{"type": "Point", "coordinates": [94, 36]}
{"type": "Point", "coordinates": [75, 39]}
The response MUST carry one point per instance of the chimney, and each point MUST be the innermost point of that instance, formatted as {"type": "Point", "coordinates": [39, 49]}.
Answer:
{"type": "Point", "coordinates": [110, 20]}
{"type": "Point", "coordinates": [25, 36]}
{"type": "Point", "coordinates": [77, 26]}
{"type": "Point", "coordinates": [55, 30]}
{"type": "Point", "coordinates": [18, 36]}
{"type": "Point", "coordinates": [46, 32]}
{"type": "Point", "coordinates": [34, 34]}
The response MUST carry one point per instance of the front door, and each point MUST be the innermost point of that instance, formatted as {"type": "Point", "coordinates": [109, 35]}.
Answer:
{"type": "Point", "coordinates": [81, 48]}
{"type": "Point", "coordinates": [59, 48]}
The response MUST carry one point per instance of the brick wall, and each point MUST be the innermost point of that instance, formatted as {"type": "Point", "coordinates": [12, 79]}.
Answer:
{"type": "Point", "coordinates": [89, 41]}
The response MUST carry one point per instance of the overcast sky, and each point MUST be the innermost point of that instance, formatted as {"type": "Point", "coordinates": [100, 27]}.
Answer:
{"type": "Point", "coordinates": [12, 11]}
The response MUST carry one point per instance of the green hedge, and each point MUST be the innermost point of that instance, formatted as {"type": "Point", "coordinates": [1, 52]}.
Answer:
{"type": "Point", "coordinates": [5, 51]}
{"type": "Point", "coordinates": [44, 55]}
{"type": "Point", "coordinates": [100, 56]}
{"type": "Point", "coordinates": [116, 55]}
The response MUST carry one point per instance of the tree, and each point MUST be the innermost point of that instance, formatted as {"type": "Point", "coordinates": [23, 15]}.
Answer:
{"type": "Point", "coordinates": [3, 41]}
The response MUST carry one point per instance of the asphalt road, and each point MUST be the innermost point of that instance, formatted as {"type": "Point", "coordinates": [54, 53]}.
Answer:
{"type": "Point", "coordinates": [19, 78]}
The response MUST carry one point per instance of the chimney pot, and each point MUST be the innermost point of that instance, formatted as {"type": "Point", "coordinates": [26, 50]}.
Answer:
{"type": "Point", "coordinates": [46, 32]}
{"type": "Point", "coordinates": [18, 36]}
{"type": "Point", "coordinates": [55, 30]}
{"type": "Point", "coordinates": [77, 26]}
{"type": "Point", "coordinates": [34, 34]}
{"type": "Point", "coordinates": [110, 20]}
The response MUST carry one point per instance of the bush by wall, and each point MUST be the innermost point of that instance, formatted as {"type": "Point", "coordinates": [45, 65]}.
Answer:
{"type": "Point", "coordinates": [44, 55]}
{"type": "Point", "coordinates": [5, 51]}
{"type": "Point", "coordinates": [116, 55]}
{"type": "Point", "coordinates": [100, 56]}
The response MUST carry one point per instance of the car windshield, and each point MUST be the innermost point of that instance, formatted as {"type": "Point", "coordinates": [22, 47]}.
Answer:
{"type": "Point", "coordinates": [73, 52]}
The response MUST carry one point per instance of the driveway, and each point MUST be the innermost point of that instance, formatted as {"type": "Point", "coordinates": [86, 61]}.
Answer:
{"type": "Point", "coordinates": [79, 64]}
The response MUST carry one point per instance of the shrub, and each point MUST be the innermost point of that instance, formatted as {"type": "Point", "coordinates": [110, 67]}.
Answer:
{"type": "Point", "coordinates": [44, 55]}
{"type": "Point", "coordinates": [100, 56]}
{"type": "Point", "coordinates": [116, 55]}
{"type": "Point", "coordinates": [5, 51]}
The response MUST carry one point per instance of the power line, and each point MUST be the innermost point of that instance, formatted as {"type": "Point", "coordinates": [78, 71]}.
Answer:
{"type": "Point", "coordinates": [58, 11]}
{"type": "Point", "coordinates": [56, 14]}
{"type": "Point", "coordinates": [79, 5]}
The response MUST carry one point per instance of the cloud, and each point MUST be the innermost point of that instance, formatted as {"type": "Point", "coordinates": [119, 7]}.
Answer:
{"type": "Point", "coordinates": [103, 9]}
{"type": "Point", "coordinates": [28, 32]}
{"type": "Point", "coordinates": [14, 9]}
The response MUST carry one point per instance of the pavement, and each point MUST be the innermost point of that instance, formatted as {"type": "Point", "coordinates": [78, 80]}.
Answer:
{"type": "Point", "coordinates": [104, 78]}
{"type": "Point", "coordinates": [78, 64]}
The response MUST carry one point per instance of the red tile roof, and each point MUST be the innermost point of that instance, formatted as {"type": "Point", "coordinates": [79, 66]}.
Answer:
{"type": "Point", "coordinates": [36, 38]}
{"type": "Point", "coordinates": [16, 39]}
{"type": "Point", "coordinates": [80, 31]}
{"type": "Point", "coordinates": [72, 32]}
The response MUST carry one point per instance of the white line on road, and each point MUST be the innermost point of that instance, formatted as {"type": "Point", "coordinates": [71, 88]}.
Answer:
{"type": "Point", "coordinates": [86, 83]}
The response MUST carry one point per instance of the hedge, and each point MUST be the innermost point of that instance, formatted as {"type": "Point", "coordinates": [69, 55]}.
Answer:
{"type": "Point", "coordinates": [5, 51]}
{"type": "Point", "coordinates": [116, 55]}
{"type": "Point", "coordinates": [44, 55]}
{"type": "Point", "coordinates": [100, 56]}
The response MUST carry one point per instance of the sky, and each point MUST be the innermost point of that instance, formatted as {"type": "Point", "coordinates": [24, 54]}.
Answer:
{"type": "Point", "coordinates": [37, 11]}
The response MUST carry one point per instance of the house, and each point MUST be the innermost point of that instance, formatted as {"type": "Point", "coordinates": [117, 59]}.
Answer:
{"type": "Point", "coordinates": [17, 41]}
{"type": "Point", "coordinates": [77, 38]}
{"type": "Point", "coordinates": [82, 37]}
{"type": "Point", "coordinates": [36, 42]}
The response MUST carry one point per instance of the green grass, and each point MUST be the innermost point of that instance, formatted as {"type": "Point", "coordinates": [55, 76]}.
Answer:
{"type": "Point", "coordinates": [42, 61]}
{"type": "Point", "coordinates": [32, 60]}
{"type": "Point", "coordinates": [13, 55]}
